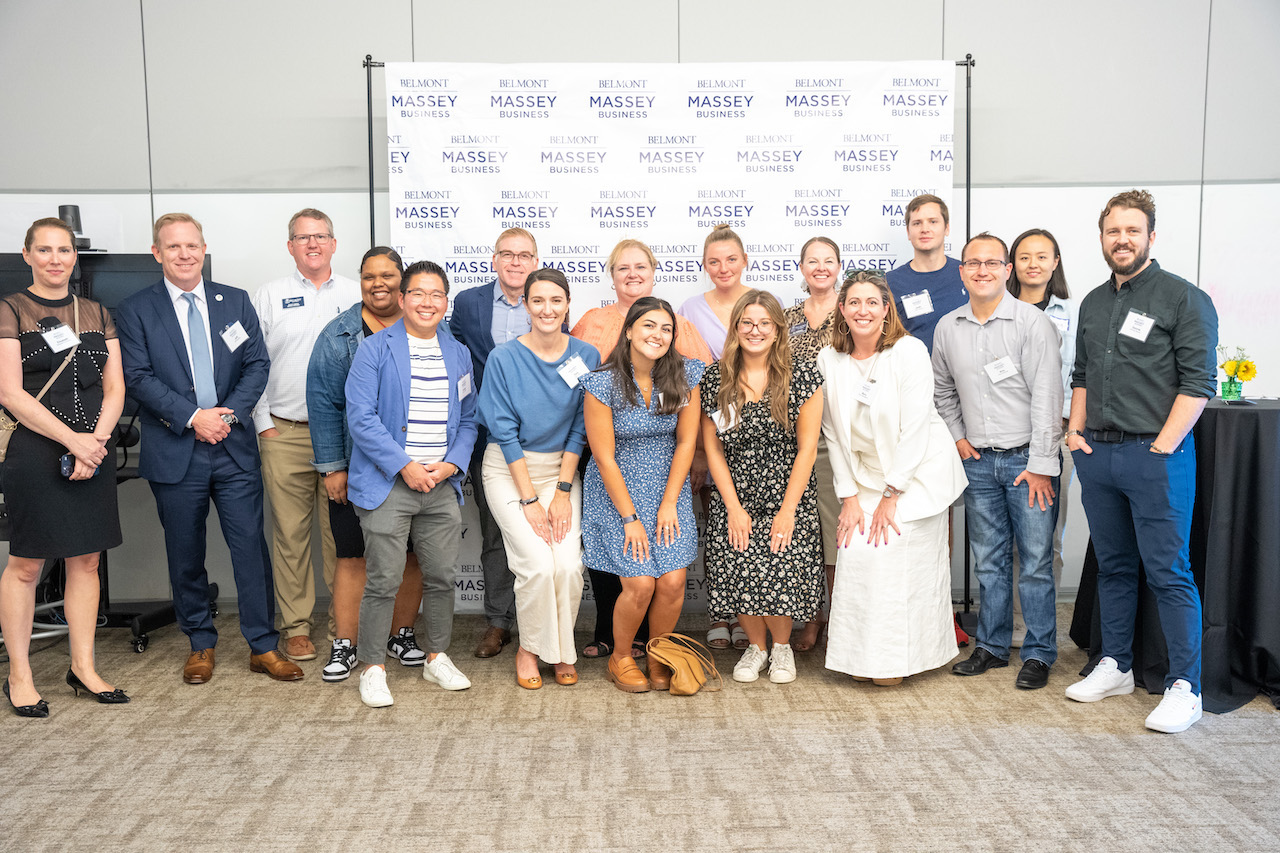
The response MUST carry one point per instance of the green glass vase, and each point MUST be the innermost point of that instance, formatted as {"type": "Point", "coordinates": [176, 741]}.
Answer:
{"type": "Point", "coordinates": [1231, 388]}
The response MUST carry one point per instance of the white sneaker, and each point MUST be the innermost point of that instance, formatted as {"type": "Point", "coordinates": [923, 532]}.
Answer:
{"type": "Point", "coordinates": [373, 688]}
{"type": "Point", "coordinates": [748, 667]}
{"type": "Point", "coordinates": [1105, 680]}
{"type": "Point", "coordinates": [442, 671]}
{"type": "Point", "coordinates": [1178, 710]}
{"type": "Point", "coordinates": [782, 664]}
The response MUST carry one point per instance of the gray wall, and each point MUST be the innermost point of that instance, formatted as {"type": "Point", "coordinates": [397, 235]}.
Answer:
{"type": "Point", "coordinates": [243, 112]}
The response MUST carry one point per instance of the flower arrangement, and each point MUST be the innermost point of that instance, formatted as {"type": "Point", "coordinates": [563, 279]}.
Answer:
{"type": "Point", "coordinates": [1239, 369]}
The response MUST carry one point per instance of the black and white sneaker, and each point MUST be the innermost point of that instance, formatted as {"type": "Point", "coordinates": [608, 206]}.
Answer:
{"type": "Point", "coordinates": [342, 659]}
{"type": "Point", "coordinates": [404, 647]}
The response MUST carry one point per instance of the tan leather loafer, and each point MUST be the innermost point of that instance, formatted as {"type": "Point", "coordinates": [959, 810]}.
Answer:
{"type": "Point", "coordinates": [627, 677]}
{"type": "Point", "coordinates": [659, 676]}
{"type": "Point", "coordinates": [275, 665]}
{"type": "Point", "coordinates": [299, 648]}
{"type": "Point", "coordinates": [199, 667]}
{"type": "Point", "coordinates": [492, 641]}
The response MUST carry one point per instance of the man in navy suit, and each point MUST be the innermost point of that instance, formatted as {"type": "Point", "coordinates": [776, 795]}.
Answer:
{"type": "Point", "coordinates": [484, 317]}
{"type": "Point", "coordinates": [195, 362]}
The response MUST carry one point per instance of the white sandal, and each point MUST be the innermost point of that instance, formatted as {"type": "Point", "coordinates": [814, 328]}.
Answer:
{"type": "Point", "coordinates": [740, 640]}
{"type": "Point", "coordinates": [718, 636]}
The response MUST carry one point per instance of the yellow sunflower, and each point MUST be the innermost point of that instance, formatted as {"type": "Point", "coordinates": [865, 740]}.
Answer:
{"type": "Point", "coordinates": [1246, 370]}
{"type": "Point", "coordinates": [1230, 367]}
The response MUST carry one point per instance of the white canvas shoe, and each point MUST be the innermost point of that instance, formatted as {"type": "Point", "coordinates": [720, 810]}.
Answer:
{"type": "Point", "coordinates": [1105, 680]}
{"type": "Point", "coordinates": [373, 688]}
{"type": "Point", "coordinates": [1178, 710]}
{"type": "Point", "coordinates": [442, 671]}
{"type": "Point", "coordinates": [749, 665]}
{"type": "Point", "coordinates": [782, 664]}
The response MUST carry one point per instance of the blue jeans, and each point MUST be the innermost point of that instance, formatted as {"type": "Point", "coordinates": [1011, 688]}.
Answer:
{"type": "Point", "coordinates": [1139, 507]}
{"type": "Point", "coordinates": [998, 515]}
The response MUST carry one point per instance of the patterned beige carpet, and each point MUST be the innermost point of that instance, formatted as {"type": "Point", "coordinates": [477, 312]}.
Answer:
{"type": "Point", "coordinates": [940, 763]}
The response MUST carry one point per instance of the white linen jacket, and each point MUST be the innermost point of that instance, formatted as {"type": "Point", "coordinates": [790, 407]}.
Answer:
{"type": "Point", "coordinates": [915, 448]}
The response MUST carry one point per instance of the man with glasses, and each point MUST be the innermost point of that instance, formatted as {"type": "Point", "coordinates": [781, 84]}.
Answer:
{"type": "Point", "coordinates": [411, 402]}
{"type": "Point", "coordinates": [929, 285]}
{"type": "Point", "coordinates": [292, 310]}
{"type": "Point", "coordinates": [484, 317]}
{"type": "Point", "coordinates": [998, 386]}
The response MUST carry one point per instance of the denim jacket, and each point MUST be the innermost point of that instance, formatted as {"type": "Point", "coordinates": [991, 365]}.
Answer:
{"type": "Point", "coordinates": [1065, 316]}
{"type": "Point", "coordinates": [326, 400]}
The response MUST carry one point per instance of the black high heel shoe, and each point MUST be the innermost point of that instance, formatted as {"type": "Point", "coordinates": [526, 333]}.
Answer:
{"type": "Point", "coordinates": [40, 709]}
{"type": "Point", "coordinates": [106, 697]}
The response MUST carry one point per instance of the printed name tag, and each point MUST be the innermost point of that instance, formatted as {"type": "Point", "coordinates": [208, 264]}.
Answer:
{"type": "Point", "coordinates": [234, 336]}
{"type": "Point", "coordinates": [1063, 324]}
{"type": "Point", "coordinates": [1137, 326]}
{"type": "Point", "coordinates": [799, 328]}
{"type": "Point", "coordinates": [867, 392]}
{"type": "Point", "coordinates": [60, 338]}
{"type": "Point", "coordinates": [293, 302]}
{"type": "Point", "coordinates": [573, 370]}
{"type": "Point", "coordinates": [918, 304]}
{"type": "Point", "coordinates": [1000, 369]}
{"type": "Point", "coordinates": [724, 422]}
{"type": "Point", "coordinates": [464, 387]}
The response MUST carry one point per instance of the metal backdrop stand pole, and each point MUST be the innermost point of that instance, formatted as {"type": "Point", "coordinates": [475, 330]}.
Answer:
{"type": "Point", "coordinates": [369, 65]}
{"type": "Point", "coordinates": [968, 620]}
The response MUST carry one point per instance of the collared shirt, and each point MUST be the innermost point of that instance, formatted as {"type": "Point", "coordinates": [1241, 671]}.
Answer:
{"type": "Point", "coordinates": [292, 311]}
{"type": "Point", "coordinates": [181, 309]}
{"type": "Point", "coordinates": [1064, 313]}
{"type": "Point", "coordinates": [509, 321]}
{"type": "Point", "coordinates": [946, 292]}
{"type": "Point", "coordinates": [1131, 384]}
{"type": "Point", "coordinates": [1022, 408]}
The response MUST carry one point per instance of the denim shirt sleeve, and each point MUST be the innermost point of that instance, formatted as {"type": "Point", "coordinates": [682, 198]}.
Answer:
{"type": "Point", "coordinates": [364, 384]}
{"type": "Point", "coordinates": [327, 403]}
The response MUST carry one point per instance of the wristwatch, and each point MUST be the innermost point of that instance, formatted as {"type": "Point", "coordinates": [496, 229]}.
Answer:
{"type": "Point", "coordinates": [528, 501]}
{"type": "Point", "coordinates": [630, 518]}
{"type": "Point", "coordinates": [890, 491]}
{"type": "Point", "coordinates": [563, 486]}
{"type": "Point", "coordinates": [1072, 432]}
{"type": "Point", "coordinates": [230, 420]}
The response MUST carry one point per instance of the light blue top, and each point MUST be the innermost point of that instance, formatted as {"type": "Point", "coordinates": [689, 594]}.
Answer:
{"type": "Point", "coordinates": [526, 405]}
{"type": "Point", "coordinates": [1065, 314]}
{"type": "Point", "coordinates": [509, 321]}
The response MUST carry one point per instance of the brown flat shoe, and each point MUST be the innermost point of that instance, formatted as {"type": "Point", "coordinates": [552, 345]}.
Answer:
{"type": "Point", "coordinates": [492, 641]}
{"type": "Point", "coordinates": [529, 683]}
{"type": "Point", "coordinates": [275, 665]}
{"type": "Point", "coordinates": [567, 678]}
{"type": "Point", "coordinates": [299, 648]}
{"type": "Point", "coordinates": [887, 682]}
{"type": "Point", "coordinates": [627, 677]}
{"type": "Point", "coordinates": [199, 667]}
{"type": "Point", "coordinates": [659, 676]}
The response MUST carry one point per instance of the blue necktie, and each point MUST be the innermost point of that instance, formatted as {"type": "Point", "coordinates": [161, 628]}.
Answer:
{"type": "Point", "coordinates": [201, 366]}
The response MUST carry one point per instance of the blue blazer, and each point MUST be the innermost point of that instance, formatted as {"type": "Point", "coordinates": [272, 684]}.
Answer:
{"type": "Point", "coordinates": [472, 324]}
{"type": "Point", "coordinates": [157, 374]}
{"type": "Point", "coordinates": [378, 413]}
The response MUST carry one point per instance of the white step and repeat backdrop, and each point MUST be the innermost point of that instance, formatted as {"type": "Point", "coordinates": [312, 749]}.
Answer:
{"type": "Point", "coordinates": [583, 155]}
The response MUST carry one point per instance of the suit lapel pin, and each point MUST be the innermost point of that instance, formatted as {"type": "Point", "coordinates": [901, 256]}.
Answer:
{"type": "Point", "coordinates": [218, 297]}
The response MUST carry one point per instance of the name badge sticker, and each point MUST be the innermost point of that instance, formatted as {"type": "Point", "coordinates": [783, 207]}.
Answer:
{"type": "Point", "coordinates": [799, 328]}
{"type": "Point", "coordinates": [1063, 324]}
{"type": "Point", "coordinates": [234, 336]}
{"type": "Point", "coordinates": [1137, 326]}
{"type": "Point", "coordinates": [573, 370]}
{"type": "Point", "coordinates": [1001, 369]}
{"type": "Point", "coordinates": [464, 387]}
{"type": "Point", "coordinates": [724, 421]}
{"type": "Point", "coordinates": [918, 304]}
{"type": "Point", "coordinates": [293, 302]}
{"type": "Point", "coordinates": [60, 338]}
{"type": "Point", "coordinates": [867, 392]}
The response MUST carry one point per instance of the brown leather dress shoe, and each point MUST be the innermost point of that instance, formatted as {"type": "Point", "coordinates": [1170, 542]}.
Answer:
{"type": "Point", "coordinates": [275, 665]}
{"type": "Point", "coordinates": [627, 677]}
{"type": "Point", "coordinates": [659, 676]}
{"type": "Point", "coordinates": [492, 641]}
{"type": "Point", "coordinates": [199, 667]}
{"type": "Point", "coordinates": [299, 648]}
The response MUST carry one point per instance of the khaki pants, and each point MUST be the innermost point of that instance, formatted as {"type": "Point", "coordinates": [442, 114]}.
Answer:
{"type": "Point", "coordinates": [298, 500]}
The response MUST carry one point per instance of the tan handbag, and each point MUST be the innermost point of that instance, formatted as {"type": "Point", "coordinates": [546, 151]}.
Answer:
{"type": "Point", "coordinates": [689, 661]}
{"type": "Point", "coordinates": [8, 424]}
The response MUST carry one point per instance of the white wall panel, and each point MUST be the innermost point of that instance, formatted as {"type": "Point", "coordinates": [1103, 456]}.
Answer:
{"type": "Point", "coordinates": [1242, 122]}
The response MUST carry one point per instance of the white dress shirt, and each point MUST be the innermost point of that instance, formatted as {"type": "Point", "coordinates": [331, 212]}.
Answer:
{"type": "Point", "coordinates": [180, 307]}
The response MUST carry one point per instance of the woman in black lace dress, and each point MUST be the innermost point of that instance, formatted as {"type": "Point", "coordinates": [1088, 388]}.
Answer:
{"type": "Point", "coordinates": [73, 515]}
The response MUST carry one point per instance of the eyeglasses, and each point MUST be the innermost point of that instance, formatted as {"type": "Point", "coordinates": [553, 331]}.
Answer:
{"type": "Point", "coordinates": [764, 326]}
{"type": "Point", "coordinates": [303, 239]}
{"type": "Point", "coordinates": [990, 265]}
{"type": "Point", "coordinates": [433, 295]}
{"type": "Point", "coordinates": [523, 257]}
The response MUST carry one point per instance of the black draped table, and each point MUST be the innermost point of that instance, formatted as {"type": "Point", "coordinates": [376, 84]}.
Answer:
{"type": "Point", "coordinates": [1235, 556]}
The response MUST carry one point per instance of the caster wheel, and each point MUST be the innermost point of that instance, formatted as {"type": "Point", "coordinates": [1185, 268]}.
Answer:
{"type": "Point", "coordinates": [140, 643]}
{"type": "Point", "coordinates": [213, 610]}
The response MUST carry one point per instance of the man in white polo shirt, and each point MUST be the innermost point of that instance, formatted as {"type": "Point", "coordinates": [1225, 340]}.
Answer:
{"type": "Point", "coordinates": [292, 310]}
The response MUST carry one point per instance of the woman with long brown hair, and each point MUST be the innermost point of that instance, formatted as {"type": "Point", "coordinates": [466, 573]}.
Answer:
{"type": "Point", "coordinates": [763, 415]}
{"type": "Point", "coordinates": [896, 473]}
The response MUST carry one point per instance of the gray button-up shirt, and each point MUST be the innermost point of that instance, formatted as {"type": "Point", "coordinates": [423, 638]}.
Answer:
{"type": "Point", "coordinates": [1025, 408]}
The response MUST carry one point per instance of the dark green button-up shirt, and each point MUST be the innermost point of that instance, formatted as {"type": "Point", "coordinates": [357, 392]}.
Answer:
{"type": "Point", "coordinates": [1131, 384]}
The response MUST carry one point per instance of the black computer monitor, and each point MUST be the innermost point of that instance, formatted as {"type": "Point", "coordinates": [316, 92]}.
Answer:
{"type": "Point", "coordinates": [103, 276]}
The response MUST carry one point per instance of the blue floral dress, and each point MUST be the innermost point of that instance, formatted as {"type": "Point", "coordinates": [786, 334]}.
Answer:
{"type": "Point", "coordinates": [644, 445]}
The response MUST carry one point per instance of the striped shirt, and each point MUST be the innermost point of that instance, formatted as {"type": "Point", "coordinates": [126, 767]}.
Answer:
{"type": "Point", "coordinates": [426, 439]}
